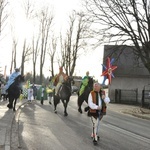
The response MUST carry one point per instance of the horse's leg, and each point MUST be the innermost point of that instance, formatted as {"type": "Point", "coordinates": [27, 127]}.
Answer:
{"type": "Point", "coordinates": [50, 98]}
{"type": "Point", "coordinates": [80, 101]}
{"type": "Point", "coordinates": [65, 103]}
{"type": "Point", "coordinates": [10, 104]}
{"type": "Point", "coordinates": [14, 107]}
{"type": "Point", "coordinates": [87, 107]}
{"type": "Point", "coordinates": [56, 100]}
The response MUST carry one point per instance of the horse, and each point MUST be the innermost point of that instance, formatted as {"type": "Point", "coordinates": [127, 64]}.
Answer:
{"type": "Point", "coordinates": [64, 94]}
{"type": "Point", "coordinates": [14, 92]}
{"type": "Point", "coordinates": [84, 96]}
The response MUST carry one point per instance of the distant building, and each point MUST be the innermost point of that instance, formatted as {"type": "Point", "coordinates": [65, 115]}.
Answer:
{"type": "Point", "coordinates": [130, 75]}
{"type": "Point", "coordinates": [77, 81]}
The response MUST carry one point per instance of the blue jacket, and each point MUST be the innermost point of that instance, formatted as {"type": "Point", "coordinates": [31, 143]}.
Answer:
{"type": "Point", "coordinates": [11, 79]}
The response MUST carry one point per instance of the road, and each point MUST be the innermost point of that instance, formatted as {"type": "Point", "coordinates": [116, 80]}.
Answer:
{"type": "Point", "coordinates": [39, 128]}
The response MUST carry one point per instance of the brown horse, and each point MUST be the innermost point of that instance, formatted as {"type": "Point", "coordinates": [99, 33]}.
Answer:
{"type": "Point", "coordinates": [64, 94]}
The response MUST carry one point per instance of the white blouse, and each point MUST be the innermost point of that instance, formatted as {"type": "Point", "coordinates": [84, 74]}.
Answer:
{"type": "Point", "coordinates": [93, 105]}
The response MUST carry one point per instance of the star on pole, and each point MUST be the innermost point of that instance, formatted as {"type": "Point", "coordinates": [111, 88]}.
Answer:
{"type": "Point", "coordinates": [108, 71]}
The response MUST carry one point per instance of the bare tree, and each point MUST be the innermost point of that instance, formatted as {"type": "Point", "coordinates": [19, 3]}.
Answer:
{"type": "Point", "coordinates": [76, 39]}
{"type": "Point", "coordinates": [28, 8]}
{"type": "Point", "coordinates": [51, 52]}
{"type": "Point", "coordinates": [13, 55]}
{"type": "Point", "coordinates": [35, 51]}
{"type": "Point", "coordinates": [1, 73]}
{"type": "Point", "coordinates": [26, 51]}
{"type": "Point", "coordinates": [46, 19]}
{"type": "Point", "coordinates": [122, 22]}
{"type": "Point", "coordinates": [3, 14]}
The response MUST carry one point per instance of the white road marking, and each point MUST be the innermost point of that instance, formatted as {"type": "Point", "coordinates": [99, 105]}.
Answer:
{"type": "Point", "coordinates": [144, 139]}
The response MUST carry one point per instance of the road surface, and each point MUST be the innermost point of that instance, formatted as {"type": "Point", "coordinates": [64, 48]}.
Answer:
{"type": "Point", "coordinates": [39, 128]}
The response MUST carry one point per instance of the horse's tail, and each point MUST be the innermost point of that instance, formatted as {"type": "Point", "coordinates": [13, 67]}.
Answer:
{"type": "Point", "coordinates": [78, 93]}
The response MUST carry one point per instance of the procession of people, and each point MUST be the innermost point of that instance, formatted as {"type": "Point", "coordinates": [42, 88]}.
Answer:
{"type": "Point", "coordinates": [97, 100]}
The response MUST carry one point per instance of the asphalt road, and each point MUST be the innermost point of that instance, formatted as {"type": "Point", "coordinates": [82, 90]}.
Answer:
{"type": "Point", "coordinates": [37, 127]}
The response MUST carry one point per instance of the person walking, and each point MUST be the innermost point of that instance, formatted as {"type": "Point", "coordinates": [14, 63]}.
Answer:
{"type": "Point", "coordinates": [50, 90]}
{"type": "Point", "coordinates": [34, 91]}
{"type": "Point", "coordinates": [30, 94]}
{"type": "Point", "coordinates": [3, 92]}
{"type": "Point", "coordinates": [42, 94]}
{"type": "Point", "coordinates": [97, 102]}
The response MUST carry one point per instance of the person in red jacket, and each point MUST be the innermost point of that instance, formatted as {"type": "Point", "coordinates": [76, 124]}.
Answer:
{"type": "Point", "coordinates": [97, 101]}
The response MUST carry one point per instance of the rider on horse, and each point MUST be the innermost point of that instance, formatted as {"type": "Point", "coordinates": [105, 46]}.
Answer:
{"type": "Point", "coordinates": [60, 78]}
{"type": "Point", "coordinates": [12, 78]}
{"type": "Point", "coordinates": [84, 83]}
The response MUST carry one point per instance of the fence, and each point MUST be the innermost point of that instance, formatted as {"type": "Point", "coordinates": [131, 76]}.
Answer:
{"type": "Point", "coordinates": [126, 96]}
{"type": "Point", "coordinates": [146, 96]}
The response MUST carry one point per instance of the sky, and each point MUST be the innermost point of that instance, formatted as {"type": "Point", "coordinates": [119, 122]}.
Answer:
{"type": "Point", "coordinates": [88, 62]}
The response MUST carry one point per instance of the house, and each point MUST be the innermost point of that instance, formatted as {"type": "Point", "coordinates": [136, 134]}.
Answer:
{"type": "Point", "coordinates": [130, 77]}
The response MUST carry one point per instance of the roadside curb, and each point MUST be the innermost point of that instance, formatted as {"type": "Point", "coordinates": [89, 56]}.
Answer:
{"type": "Point", "coordinates": [147, 117]}
{"type": "Point", "coordinates": [141, 116]}
{"type": "Point", "coordinates": [9, 128]}
{"type": "Point", "coordinates": [131, 110]}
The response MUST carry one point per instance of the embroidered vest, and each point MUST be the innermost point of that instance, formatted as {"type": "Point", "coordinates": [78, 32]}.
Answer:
{"type": "Point", "coordinates": [94, 112]}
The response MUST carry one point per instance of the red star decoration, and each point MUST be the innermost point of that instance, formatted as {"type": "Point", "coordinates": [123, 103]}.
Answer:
{"type": "Point", "coordinates": [108, 70]}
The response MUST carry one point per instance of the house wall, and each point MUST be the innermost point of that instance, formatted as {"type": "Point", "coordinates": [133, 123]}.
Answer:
{"type": "Point", "coordinates": [128, 83]}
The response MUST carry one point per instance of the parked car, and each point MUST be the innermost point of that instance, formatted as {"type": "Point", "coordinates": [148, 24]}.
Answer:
{"type": "Point", "coordinates": [37, 86]}
{"type": "Point", "coordinates": [75, 89]}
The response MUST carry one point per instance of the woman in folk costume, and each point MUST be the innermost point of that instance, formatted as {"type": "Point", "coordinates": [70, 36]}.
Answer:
{"type": "Point", "coordinates": [97, 102]}
{"type": "Point", "coordinates": [60, 78]}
